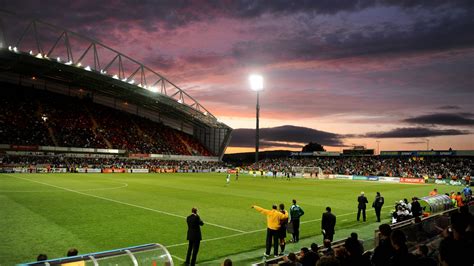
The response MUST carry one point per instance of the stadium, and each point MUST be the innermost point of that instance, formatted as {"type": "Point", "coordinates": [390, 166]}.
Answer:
{"type": "Point", "coordinates": [102, 154]}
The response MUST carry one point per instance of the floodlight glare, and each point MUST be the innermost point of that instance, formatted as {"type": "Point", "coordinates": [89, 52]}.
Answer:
{"type": "Point", "coordinates": [256, 82]}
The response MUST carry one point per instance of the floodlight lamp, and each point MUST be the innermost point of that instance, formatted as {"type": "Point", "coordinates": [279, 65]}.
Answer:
{"type": "Point", "coordinates": [9, 48]}
{"type": "Point", "coordinates": [180, 101]}
{"type": "Point", "coordinates": [256, 82]}
{"type": "Point", "coordinates": [39, 55]}
{"type": "Point", "coordinates": [15, 49]}
{"type": "Point", "coordinates": [31, 52]}
{"type": "Point", "coordinates": [68, 63]}
{"type": "Point", "coordinates": [58, 59]}
{"type": "Point", "coordinates": [124, 80]}
{"type": "Point", "coordinates": [79, 64]}
{"type": "Point", "coordinates": [88, 68]}
{"type": "Point", "coordinates": [115, 77]}
{"type": "Point", "coordinates": [153, 89]}
{"type": "Point", "coordinates": [131, 81]}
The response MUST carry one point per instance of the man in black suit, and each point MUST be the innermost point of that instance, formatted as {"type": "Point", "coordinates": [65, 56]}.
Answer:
{"type": "Point", "coordinates": [328, 222]}
{"type": "Point", "coordinates": [377, 205]}
{"type": "Point", "coordinates": [362, 199]}
{"type": "Point", "coordinates": [194, 236]}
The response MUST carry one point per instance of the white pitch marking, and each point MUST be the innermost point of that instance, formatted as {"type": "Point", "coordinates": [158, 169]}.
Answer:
{"type": "Point", "coordinates": [81, 190]}
{"type": "Point", "coordinates": [178, 258]}
{"type": "Point", "coordinates": [128, 204]}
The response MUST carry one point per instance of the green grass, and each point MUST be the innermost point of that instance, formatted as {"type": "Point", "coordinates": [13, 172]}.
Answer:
{"type": "Point", "coordinates": [50, 213]}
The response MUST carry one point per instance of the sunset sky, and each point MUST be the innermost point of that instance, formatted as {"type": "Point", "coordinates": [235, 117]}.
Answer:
{"type": "Point", "coordinates": [340, 73]}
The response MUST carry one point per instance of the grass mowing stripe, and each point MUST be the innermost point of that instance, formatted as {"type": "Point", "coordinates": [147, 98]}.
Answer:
{"type": "Point", "coordinates": [128, 204]}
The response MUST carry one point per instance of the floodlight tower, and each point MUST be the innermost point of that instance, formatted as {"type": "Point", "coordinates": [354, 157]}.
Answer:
{"type": "Point", "coordinates": [256, 84]}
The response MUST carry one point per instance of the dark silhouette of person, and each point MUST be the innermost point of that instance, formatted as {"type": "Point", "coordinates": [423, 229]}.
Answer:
{"type": "Point", "coordinates": [416, 209]}
{"type": "Point", "coordinates": [362, 199]}
{"type": "Point", "coordinates": [72, 252]}
{"type": "Point", "coordinates": [295, 214]}
{"type": "Point", "coordinates": [194, 236]}
{"type": "Point", "coordinates": [42, 257]}
{"type": "Point", "coordinates": [384, 251]}
{"type": "Point", "coordinates": [328, 223]}
{"type": "Point", "coordinates": [377, 205]}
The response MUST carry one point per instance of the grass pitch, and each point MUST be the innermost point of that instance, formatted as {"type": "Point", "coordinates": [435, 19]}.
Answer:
{"type": "Point", "coordinates": [50, 213]}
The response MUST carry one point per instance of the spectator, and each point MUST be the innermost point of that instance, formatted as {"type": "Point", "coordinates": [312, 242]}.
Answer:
{"type": "Point", "coordinates": [328, 251]}
{"type": "Point", "coordinates": [308, 257]}
{"type": "Point", "coordinates": [328, 261]}
{"type": "Point", "coordinates": [291, 260]}
{"type": "Point", "coordinates": [422, 258]}
{"type": "Point", "coordinates": [42, 257]}
{"type": "Point", "coordinates": [72, 252]}
{"type": "Point", "coordinates": [384, 251]}
{"type": "Point", "coordinates": [401, 256]}
{"type": "Point", "coordinates": [356, 238]}
{"type": "Point", "coordinates": [354, 253]}
{"type": "Point", "coordinates": [227, 262]}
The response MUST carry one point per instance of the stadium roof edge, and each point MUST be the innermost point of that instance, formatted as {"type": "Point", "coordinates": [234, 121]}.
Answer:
{"type": "Point", "coordinates": [166, 87]}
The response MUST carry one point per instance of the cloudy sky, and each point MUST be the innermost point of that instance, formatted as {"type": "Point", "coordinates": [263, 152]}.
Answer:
{"type": "Point", "coordinates": [340, 73]}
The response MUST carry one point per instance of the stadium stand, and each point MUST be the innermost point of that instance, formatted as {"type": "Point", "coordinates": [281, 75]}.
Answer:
{"type": "Point", "coordinates": [34, 117]}
{"type": "Point", "coordinates": [436, 167]}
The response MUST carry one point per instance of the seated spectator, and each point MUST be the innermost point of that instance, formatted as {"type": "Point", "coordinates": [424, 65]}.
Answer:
{"type": "Point", "coordinates": [401, 256]}
{"type": "Point", "coordinates": [384, 251]}
{"type": "Point", "coordinates": [308, 257]}
{"type": "Point", "coordinates": [42, 257]}
{"type": "Point", "coordinates": [227, 262]}
{"type": "Point", "coordinates": [354, 253]}
{"type": "Point", "coordinates": [72, 252]}
{"type": "Point", "coordinates": [328, 261]}
{"type": "Point", "coordinates": [328, 251]}
{"type": "Point", "coordinates": [290, 260]}
{"type": "Point", "coordinates": [356, 238]}
{"type": "Point", "coordinates": [422, 258]}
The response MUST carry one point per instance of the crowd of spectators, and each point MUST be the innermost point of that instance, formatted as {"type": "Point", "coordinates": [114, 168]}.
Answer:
{"type": "Point", "coordinates": [432, 167]}
{"type": "Point", "coordinates": [32, 117]}
{"type": "Point", "coordinates": [71, 163]}
{"type": "Point", "coordinates": [450, 246]}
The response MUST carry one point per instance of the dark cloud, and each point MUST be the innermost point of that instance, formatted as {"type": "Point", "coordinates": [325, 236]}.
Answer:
{"type": "Point", "coordinates": [284, 136]}
{"type": "Point", "coordinates": [447, 29]}
{"type": "Point", "coordinates": [415, 132]}
{"type": "Point", "coordinates": [459, 119]}
{"type": "Point", "coordinates": [449, 107]}
{"type": "Point", "coordinates": [414, 142]}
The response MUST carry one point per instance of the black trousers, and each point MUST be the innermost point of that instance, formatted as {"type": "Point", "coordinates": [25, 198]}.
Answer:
{"type": "Point", "coordinates": [363, 214]}
{"type": "Point", "coordinates": [296, 230]}
{"type": "Point", "coordinates": [272, 235]}
{"type": "Point", "coordinates": [377, 213]}
{"type": "Point", "coordinates": [193, 248]}
{"type": "Point", "coordinates": [328, 235]}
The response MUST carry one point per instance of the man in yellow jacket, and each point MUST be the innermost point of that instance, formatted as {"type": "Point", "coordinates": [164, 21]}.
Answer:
{"type": "Point", "coordinates": [274, 218]}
